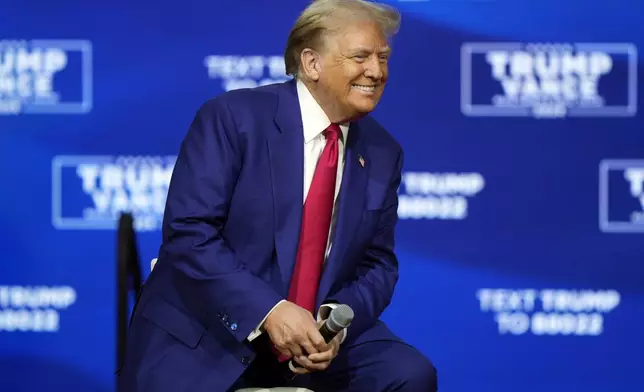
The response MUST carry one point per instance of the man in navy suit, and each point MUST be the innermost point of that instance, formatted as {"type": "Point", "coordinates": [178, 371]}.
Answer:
{"type": "Point", "coordinates": [283, 204]}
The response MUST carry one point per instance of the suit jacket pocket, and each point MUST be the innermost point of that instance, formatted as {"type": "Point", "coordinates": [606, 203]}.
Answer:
{"type": "Point", "coordinates": [173, 321]}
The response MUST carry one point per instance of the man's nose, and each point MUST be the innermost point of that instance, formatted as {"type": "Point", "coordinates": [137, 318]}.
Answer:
{"type": "Point", "coordinates": [374, 69]}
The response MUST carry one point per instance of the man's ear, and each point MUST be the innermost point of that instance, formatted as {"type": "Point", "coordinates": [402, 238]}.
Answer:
{"type": "Point", "coordinates": [311, 65]}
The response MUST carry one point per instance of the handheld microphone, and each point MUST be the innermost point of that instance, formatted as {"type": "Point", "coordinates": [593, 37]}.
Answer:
{"type": "Point", "coordinates": [339, 318]}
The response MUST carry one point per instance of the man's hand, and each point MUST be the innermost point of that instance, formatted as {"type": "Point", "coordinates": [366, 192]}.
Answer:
{"type": "Point", "coordinates": [293, 331]}
{"type": "Point", "coordinates": [321, 360]}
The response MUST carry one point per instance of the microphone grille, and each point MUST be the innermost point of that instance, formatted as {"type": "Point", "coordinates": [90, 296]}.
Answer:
{"type": "Point", "coordinates": [340, 317]}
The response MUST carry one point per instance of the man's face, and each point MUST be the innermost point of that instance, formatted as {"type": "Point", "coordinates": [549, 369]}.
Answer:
{"type": "Point", "coordinates": [354, 69]}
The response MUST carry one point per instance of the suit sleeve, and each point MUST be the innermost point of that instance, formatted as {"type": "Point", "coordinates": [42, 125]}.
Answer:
{"type": "Point", "coordinates": [203, 182]}
{"type": "Point", "coordinates": [372, 288]}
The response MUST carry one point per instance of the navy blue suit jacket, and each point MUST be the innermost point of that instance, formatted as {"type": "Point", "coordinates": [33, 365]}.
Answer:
{"type": "Point", "coordinates": [230, 235]}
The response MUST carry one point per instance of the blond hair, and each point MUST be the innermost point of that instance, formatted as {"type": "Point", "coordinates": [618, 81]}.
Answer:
{"type": "Point", "coordinates": [322, 17]}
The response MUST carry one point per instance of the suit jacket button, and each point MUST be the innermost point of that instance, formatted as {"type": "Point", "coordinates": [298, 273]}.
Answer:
{"type": "Point", "coordinates": [233, 326]}
{"type": "Point", "coordinates": [245, 360]}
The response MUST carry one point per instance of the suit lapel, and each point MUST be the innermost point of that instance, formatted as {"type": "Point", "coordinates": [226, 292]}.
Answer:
{"type": "Point", "coordinates": [350, 206]}
{"type": "Point", "coordinates": [286, 154]}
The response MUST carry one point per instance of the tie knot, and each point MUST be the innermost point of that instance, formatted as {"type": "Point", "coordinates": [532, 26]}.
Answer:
{"type": "Point", "coordinates": [332, 132]}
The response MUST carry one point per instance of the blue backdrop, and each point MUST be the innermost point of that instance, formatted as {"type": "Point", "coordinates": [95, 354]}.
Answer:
{"type": "Point", "coordinates": [522, 203]}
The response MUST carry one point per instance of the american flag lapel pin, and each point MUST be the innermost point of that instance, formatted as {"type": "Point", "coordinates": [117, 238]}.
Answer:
{"type": "Point", "coordinates": [361, 160]}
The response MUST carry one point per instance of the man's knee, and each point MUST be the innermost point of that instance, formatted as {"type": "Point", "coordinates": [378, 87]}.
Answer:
{"type": "Point", "coordinates": [413, 371]}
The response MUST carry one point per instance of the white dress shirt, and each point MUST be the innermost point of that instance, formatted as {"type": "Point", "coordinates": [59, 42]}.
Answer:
{"type": "Point", "coordinates": [314, 122]}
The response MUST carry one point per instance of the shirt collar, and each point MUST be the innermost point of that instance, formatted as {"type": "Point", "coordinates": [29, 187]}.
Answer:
{"type": "Point", "coordinates": [314, 120]}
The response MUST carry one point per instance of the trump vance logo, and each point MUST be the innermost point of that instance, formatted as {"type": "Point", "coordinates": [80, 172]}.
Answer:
{"type": "Point", "coordinates": [621, 196]}
{"type": "Point", "coordinates": [90, 192]}
{"type": "Point", "coordinates": [45, 76]}
{"type": "Point", "coordinates": [548, 80]}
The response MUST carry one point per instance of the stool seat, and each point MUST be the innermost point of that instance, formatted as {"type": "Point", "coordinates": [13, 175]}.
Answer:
{"type": "Point", "coordinates": [280, 389]}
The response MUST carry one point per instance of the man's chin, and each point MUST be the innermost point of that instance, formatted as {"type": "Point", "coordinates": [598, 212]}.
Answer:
{"type": "Point", "coordinates": [364, 108]}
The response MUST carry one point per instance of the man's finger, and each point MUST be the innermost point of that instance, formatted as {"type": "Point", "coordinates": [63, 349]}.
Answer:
{"type": "Point", "coordinates": [295, 349]}
{"type": "Point", "coordinates": [299, 370]}
{"type": "Point", "coordinates": [317, 340]}
{"type": "Point", "coordinates": [309, 347]}
{"type": "Point", "coordinates": [328, 355]}
{"type": "Point", "coordinates": [335, 344]}
{"type": "Point", "coordinates": [304, 361]}
{"type": "Point", "coordinates": [325, 356]}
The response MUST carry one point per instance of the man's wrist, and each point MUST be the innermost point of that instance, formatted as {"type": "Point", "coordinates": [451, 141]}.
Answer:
{"type": "Point", "coordinates": [260, 327]}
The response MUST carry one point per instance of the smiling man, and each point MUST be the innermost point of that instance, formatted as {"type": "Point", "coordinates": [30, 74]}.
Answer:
{"type": "Point", "coordinates": [283, 204]}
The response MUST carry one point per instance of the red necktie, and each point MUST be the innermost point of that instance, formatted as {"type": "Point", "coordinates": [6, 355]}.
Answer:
{"type": "Point", "coordinates": [316, 221]}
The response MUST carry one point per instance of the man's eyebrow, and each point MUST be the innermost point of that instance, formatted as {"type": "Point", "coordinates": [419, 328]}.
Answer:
{"type": "Point", "coordinates": [366, 49]}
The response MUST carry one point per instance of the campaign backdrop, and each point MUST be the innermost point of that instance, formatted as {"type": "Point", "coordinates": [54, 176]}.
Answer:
{"type": "Point", "coordinates": [521, 231]}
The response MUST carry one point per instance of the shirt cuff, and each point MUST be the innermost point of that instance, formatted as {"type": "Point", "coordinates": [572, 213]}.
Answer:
{"type": "Point", "coordinates": [258, 330]}
{"type": "Point", "coordinates": [323, 314]}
